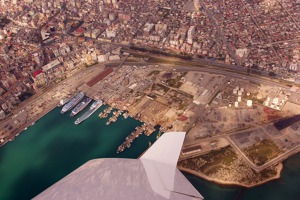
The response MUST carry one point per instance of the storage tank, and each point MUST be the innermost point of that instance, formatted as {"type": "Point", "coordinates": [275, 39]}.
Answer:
{"type": "Point", "coordinates": [249, 103]}
{"type": "Point", "coordinates": [259, 96]}
{"type": "Point", "coordinates": [236, 104]}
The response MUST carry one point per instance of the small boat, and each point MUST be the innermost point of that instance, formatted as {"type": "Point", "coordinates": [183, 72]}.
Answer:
{"type": "Point", "coordinates": [158, 135]}
{"type": "Point", "coordinates": [125, 115]}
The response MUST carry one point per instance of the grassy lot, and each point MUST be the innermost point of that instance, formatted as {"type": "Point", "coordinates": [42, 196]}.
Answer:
{"type": "Point", "coordinates": [160, 88]}
{"type": "Point", "coordinates": [263, 151]}
{"type": "Point", "coordinates": [217, 159]}
{"type": "Point", "coordinates": [175, 82]}
{"type": "Point", "coordinates": [233, 168]}
{"type": "Point", "coordinates": [131, 59]}
{"type": "Point", "coordinates": [154, 72]}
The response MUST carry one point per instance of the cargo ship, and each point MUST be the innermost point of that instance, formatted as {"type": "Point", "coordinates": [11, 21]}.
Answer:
{"type": "Point", "coordinates": [81, 106]}
{"type": "Point", "coordinates": [75, 100]}
{"type": "Point", "coordinates": [97, 104]}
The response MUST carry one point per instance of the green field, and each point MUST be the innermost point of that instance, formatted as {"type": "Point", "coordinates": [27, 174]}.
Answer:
{"type": "Point", "coordinates": [261, 152]}
{"type": "Point", "coordinates": [211, 162]}
{"type": "Point", "coordinates": [160, 88]}
{"type": "Point", "coordinates": [154, 72]}
{"type": "Point", "coordinates": [176, 81]}
{"type": "Point", "coordinates": [217, 159]}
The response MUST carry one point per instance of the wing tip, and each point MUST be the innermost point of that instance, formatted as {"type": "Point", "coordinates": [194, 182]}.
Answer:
{"type": "Point", "coordinates": [166, 149]}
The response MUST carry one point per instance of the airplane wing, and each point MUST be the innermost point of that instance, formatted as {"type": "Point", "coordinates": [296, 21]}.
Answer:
{"type": "Point", "coordinates": [153, 176]}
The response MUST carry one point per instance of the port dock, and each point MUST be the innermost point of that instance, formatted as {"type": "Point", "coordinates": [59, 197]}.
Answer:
{"type": "Point", "coordinates": [146, 129]}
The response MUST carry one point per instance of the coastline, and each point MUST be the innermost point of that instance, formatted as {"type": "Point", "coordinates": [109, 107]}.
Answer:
{"type": "Point", "coordinates": [60, 149]}
{"type": "Point", "coordinates": [231, 183]}
{"type": "Point", "coordinates": [23, 126]}
{"type": "Point", "coordinates": [46, 109]}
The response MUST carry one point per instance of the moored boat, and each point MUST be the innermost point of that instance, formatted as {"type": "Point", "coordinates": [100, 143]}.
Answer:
{"type": "Point", "coordinates": [95, 106]}
{"type": "Point", "coordinates": [80, 106]}
{"type": "Point", "coordinates": [63, 101]}
{"type": "Point", "coordinates": [73, 102]}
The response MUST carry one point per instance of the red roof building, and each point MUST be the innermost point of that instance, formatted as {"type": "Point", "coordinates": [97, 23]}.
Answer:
{"type": "Point", "coordinates": [37, 72]}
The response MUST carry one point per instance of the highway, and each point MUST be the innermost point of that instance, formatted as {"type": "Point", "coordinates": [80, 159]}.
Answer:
{"type": "Point", "coordinates": [217, 68]}
{"type": "Point", "coordinates": [232, 74]}
{"type": "Point", "coordinates": [204, 65]}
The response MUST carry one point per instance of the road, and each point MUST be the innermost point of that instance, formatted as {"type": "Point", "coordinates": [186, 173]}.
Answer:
{"type": "Point", "coordinates": [246, 159]}
{"type": "Point", "coordinates": [223, 39]}
{"type": "Point", "coordinates": [272, 162]}
{"type": "Point", "coordinates": [233, 75]}
{"type": "Point", "coordinates": [281, 157]}
{"type": "Point", "coordinates": [262, 32]}
{"type": "Point", "coordinates": [219, 68]}
{"type": "Point", "coordinates": [77, 79]}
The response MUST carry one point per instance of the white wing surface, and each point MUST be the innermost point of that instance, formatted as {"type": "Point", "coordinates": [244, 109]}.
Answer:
{"type": "Point", "coordinates": [153, 176]}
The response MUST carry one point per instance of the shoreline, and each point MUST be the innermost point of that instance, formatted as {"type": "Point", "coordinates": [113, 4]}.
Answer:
{"type": "Point", "coordinates": [45, 110]}
{"type": "Point", "coordinates": [29, 123]}
{"type": "Point", "coordinates": [232, 183]}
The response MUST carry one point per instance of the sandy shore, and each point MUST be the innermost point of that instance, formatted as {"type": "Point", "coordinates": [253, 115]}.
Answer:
{"type": "Point", "coordinates": [217, 181]}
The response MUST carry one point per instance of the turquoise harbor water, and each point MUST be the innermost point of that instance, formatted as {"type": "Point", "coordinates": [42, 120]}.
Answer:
{"type": "Point", "coordinates": [54, 147]}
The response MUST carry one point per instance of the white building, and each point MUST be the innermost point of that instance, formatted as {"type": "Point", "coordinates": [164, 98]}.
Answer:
{"type": "Point", "coordinates": [103, 58]}
{"type": "Point", "coordinates": [110, 33]}
{"type": "Point", "coordinates": [70, 65]}
{"type": "Point", "coordinates": [51, 65]}
{"type": "Point", "coordinates": [148, 28]}
{"type": "Point", "coordinates": [242, 53]}
{"type": "Point", "coordinates": [197, 5]}
{"type": "Point", "coordinates": [114, 57]}
{"type": "Point", "coordinates": [190, 34]}
{"type": "Point", "coordinates": [95, 33]}
{"type": "Point", "coordinates": [2, 114]}
{"type": "Point", "coordinates": [294, 67]}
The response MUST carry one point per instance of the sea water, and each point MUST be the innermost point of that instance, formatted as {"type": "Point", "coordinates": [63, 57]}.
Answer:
{"type": "Point", "coordinates": [54, 147]}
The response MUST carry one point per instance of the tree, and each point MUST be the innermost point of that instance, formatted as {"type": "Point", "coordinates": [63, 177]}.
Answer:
{"type": "Point", "coordinates": [272, 74]}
